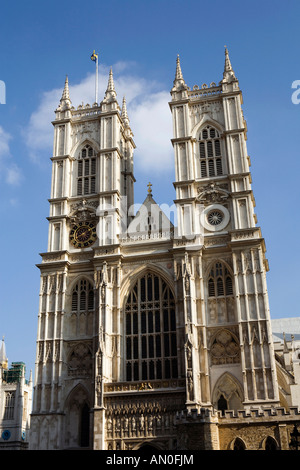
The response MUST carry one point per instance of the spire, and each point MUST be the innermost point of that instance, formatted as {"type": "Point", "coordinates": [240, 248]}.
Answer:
{"type": "Point", "coordinates": [179, 89]}
{"type": "Point", "coordinates": [66, 94]}
{"type": "Point", "coordinates": [65, 102]}
{"type": "Point", "coordinates": [228, 74]}
{"type": "Point", "coordinates": [179, 80]}
{"type": "Point", "coordinates": [110, 94]}
{"type": "Point", "coordinates": [3, 357]}
{"type": "Point", "coordinates": [178, 75]}
{"type": "Point", "coordinates": [111, 86]}
{"type": "Point", "coordinates": [124, 114]}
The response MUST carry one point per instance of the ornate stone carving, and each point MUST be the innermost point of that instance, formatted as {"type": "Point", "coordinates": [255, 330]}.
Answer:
{"type": "Point", "coordinates": [83, 210]}
{"type": "Point", "coordinates": [212, 194]}
{"type": "Point", "coordinates": [128, 418]}
{"type": "Point", "coordinates": [224, 348]}
{"type": "Point", "coordinates": [80, 361]}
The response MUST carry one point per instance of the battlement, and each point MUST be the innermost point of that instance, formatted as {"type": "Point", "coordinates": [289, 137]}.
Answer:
{"type": "Point", "coordinates": [205, 415]}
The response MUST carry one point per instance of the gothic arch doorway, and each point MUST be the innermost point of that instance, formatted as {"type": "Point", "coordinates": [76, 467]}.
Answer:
{"type": "Point", "coordinates": [77, 433]}
{"type": "Point", "coordinates": [227, 394]}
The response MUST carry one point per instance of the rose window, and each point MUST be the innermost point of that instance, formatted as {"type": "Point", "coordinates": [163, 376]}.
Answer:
{"type": "Point", "coordinates": [215, 217]}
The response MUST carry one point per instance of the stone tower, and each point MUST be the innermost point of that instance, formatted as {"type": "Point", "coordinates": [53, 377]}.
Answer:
{"type": "Point", "coordinates": [229, 300]}
{"type": "Point", "coordinates": [140, 321]}
{"type": "Point", "coordinates": [15, 403]}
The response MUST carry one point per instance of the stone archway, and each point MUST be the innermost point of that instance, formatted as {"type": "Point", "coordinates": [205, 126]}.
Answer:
{"type": "Point", "coordinates": [77, 426]}
{"type": "Point", "coordinates": [227, 394]}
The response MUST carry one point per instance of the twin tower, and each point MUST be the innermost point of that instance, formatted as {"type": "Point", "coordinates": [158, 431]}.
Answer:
{"type": "Point", "coordinates": [140, 321]}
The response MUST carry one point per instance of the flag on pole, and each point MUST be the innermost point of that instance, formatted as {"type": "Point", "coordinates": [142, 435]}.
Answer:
{"type": "Point", "coordinates": [94, 56]}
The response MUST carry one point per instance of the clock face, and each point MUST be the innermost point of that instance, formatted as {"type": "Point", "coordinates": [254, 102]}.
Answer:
{"type": "Point", "coordinates": [83, 234]}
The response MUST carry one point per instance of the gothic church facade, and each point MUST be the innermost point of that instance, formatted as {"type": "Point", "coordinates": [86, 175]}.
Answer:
{"type": "Point", "coordinates": [150, 333]}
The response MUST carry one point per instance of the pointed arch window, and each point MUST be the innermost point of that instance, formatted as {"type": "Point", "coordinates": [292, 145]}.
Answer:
{"type": "Point", "coordinates": [9, 405]}
{"type": "Point", "coordinates": [86, 171]}
{"type": "Point", "coordinates": [239, 444]}
{"type": "Point", "coordinates": [83, 297]}
{"type": "Point", "coordinates": [150, 331]}
{"type": "Point", "coordinates": [219, 281]}
{"type": "Point", "coordinates": [271, 444]}
{"type": "Point", "coordinates": [210, 152]}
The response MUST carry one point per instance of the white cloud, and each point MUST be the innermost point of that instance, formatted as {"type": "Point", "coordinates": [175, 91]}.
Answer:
{"type": "Point", "coordinates": [38, 134]}
{"type": "Point", "coordinates": [8, 169]}
{"type": "Point", "coordinates": [5, 137]}
{"type": "Point", "coordinates": [152, 126]}
{"type": "Point", "coordinates": [13, 202]}
{"type": "Point", "coordinates": [13, 174]}
{"type": "Point", "coordinates": [148, 111]}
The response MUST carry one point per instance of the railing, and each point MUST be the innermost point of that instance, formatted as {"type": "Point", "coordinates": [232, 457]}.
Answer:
{"type": "Point", "coordinates": [136, 237]}
{"type": "Point", "coordinates": [204, 92]}
{"type": "Point", "coordinates": [85, 111]}
{"type": "Point", "coordinates": [151, 385]}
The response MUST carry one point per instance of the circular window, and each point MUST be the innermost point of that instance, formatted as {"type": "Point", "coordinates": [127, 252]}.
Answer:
{"type": "Point", "coordinates": [215, 217]}
{"type": "Point", "coordinates": [6, 435]}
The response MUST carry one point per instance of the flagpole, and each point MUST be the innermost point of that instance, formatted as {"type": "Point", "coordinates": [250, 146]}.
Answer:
{"type": "Point", "coordinates": [96, 84]}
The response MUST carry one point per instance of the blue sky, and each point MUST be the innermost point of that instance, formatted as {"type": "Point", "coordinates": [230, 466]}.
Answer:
{"type": "Point", "coordinates": [41, 42]}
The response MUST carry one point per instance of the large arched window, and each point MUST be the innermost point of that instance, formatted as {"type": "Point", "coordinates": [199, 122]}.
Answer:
{"type": "Point", "coordinates": [86, 171]}
{"type": "Point", "coordinates": [210, 152]}
{"type": "Point", "coordinates": [150, 331]}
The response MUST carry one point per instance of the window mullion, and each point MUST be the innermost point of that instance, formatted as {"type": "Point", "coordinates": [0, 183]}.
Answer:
{"type": "Point", "coordinates": [139, 330]}
{"type": "Point", "coordinates": [162, 341]}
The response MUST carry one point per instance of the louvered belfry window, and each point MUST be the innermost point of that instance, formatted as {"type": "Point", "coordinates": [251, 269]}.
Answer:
{"type": "Point", "coordinates": [150, 331]}
{"type": "Point", "coordinates": [86, 171]}
{"type": "Point", "coordinates": [210, 152]}
{"type": "Point", "coordinates": [82, 297]}
{"type": "Point", "coordinates": [219, 281]}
